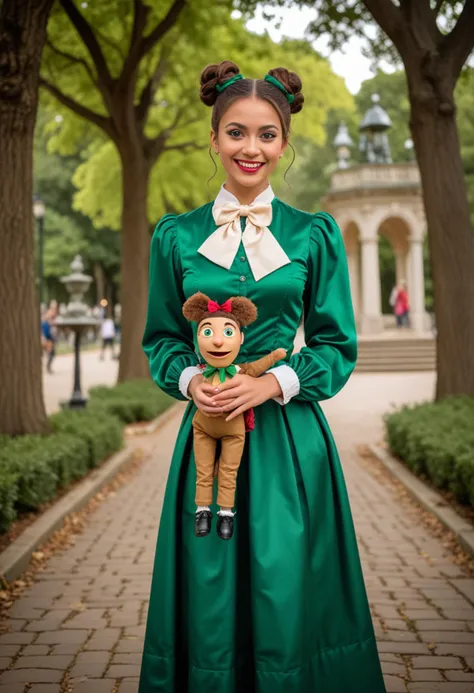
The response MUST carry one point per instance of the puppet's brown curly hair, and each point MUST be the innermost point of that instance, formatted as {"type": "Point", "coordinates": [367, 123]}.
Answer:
{"type": "Point", "coordinates": [244, 312]}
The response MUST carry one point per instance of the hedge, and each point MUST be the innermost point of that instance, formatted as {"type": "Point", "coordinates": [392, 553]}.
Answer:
{"type": "Point", "coordinates": [102, 432]}
{"type": "Point", "coordinates": [134, 400]}
{"type": "Point", "coordinates": [436, 440]}
{"type": "Point", "coordinates": [33, 467]}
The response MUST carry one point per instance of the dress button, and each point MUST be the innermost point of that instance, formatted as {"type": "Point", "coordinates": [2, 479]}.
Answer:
{"type": "Point", "coordinates": [242, 258]}
{"type": "Point", "coordinates": [242, 278]}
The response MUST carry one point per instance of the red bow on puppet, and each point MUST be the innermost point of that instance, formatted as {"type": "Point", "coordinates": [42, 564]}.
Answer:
{"type": "Point", "coordinates": [213, 306]}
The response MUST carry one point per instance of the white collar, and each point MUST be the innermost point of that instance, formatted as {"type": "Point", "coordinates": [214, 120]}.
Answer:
{"type": "Point", "coordinates": [226, 196]}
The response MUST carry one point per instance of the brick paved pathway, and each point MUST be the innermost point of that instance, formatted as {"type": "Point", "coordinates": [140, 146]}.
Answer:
{"type": "Point", "coordinates": [80, 626]}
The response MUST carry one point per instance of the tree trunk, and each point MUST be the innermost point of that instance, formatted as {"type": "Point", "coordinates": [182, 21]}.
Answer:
{"type": "Point", "coordinates": [99, 282]}
{"type": "Point", "coordinates": [450, 233]}
{"type": "Point", "coordinates": [22, 34]}
{"type": "Point", "coordinates": [135, 247]}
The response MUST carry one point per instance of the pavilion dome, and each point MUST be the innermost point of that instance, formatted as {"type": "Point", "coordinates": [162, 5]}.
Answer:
{"type": "Point", "coordinates": [376, 118]}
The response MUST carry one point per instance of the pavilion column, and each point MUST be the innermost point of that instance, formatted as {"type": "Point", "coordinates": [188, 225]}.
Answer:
{"type": "Point", "coordinates": [354, 278]}
{"type": "Point", "coordinates": [372, 321]}
{"type": "Point", "coordinates": [416, 285]}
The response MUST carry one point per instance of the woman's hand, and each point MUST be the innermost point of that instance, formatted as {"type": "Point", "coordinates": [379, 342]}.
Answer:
{"type": "Point", "coordinates": [243, 392]}
{"type": "Point", "coordinates": [201, 392]}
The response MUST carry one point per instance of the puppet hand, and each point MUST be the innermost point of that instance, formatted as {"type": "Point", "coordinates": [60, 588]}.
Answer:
{"type": "Point", "coordinates": [246, 392]}
{"type": "Point", "coordinates": [201, 392]}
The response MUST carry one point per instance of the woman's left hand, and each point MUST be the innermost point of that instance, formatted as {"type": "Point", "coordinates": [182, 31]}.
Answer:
{"type": "Point", "coordinates": [243, 392]}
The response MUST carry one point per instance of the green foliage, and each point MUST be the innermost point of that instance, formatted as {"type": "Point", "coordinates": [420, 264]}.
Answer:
{"type": "Point", "coordinates": [134, 400]}
{"type": "Point", "coordinates": [102, 432]}
{"type": "Point", "coordinates": [178, 180]}
{"type": "Point", "coordinates": [8, 498]}
{"type": "Point", "coordinates": [37, 481]}
{"type": "Point", "coordinates": [33, 467]}
{"type": "Point", "coordinates": [68, 232]}
{"type": "Point", "coordinates": [437, 440]}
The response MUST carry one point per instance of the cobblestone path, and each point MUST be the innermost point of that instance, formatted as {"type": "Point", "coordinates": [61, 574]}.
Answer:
{"type": "Point", "coordinates": [80, 626]}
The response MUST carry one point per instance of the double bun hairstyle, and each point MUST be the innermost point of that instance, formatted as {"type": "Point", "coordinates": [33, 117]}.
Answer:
{"type": "Point", "coordinates": [242, 310]}
{"type": "Point", "coordinates": [287, 98]}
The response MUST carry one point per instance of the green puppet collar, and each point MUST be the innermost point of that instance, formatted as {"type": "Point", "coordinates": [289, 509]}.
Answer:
{"type": "Point", "coordinates": [229, 370]}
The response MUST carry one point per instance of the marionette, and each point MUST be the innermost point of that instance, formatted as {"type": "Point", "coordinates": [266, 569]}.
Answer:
{"type": "Point", "coordinates": [219, 338]}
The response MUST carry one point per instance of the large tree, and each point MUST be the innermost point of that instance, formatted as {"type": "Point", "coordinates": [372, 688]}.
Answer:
{"type": "Point", "coordinates": [22, 34]}
{"type": "Point", "coordinates": [433, 39]}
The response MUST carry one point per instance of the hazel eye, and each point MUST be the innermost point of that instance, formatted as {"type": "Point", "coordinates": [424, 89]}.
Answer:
{"type": "Point", "coordinates": [229, 332]}
{"type": "Point", "coordinates": [207, 332]}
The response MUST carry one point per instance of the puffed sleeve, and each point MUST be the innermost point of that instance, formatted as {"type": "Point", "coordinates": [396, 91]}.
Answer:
{"type": "Point", "coordinates": [168, 337]}
{"type": "Point", "coordinates": [324, 365]}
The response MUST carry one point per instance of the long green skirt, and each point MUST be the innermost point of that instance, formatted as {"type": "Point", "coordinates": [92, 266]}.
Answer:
{"type": "Point", "coordinates": [282, 606]}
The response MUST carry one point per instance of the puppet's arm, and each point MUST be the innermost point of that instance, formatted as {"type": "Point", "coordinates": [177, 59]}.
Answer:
{"type": "Point", "coordinates": [256, 368]}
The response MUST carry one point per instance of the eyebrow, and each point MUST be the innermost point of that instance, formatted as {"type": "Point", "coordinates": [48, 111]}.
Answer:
{"type": "Point", "coordinates": [232, 324]}
{"type": "Point", "coordinates": [244, 127]}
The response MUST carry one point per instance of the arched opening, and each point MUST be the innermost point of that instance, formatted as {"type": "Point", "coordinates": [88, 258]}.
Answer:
{"type": "Point", "coordinates": [393, 258]}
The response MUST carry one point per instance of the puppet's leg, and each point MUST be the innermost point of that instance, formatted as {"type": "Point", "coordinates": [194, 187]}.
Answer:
{"type": "Point", "coordinates": [231, 453]}
{"type": "Point", "coordinates": [204, 454]}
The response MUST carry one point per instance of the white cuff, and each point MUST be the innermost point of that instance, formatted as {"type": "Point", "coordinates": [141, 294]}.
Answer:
{"type": "Point", "coordinates": [289, 382]}
{"type": "Point", "coordinates": [185, 378]}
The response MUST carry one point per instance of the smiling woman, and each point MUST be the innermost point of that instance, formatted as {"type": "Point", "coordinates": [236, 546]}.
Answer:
{"type": "Point", "coordinates": [282, 608]}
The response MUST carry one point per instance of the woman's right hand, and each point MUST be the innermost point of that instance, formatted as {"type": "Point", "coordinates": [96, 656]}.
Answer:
{"type": "Point", "coordinates": [202, 393]}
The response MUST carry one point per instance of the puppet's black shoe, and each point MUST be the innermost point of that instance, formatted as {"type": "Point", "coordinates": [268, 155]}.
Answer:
{"type": "Point", "coordinates": [202, 523]}
{"type": "Point", "coordinates": [225, 526]}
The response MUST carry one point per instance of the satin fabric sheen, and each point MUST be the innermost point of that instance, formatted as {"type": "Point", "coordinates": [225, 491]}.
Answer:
{"type": "Point", "coordinates": [282, 606]}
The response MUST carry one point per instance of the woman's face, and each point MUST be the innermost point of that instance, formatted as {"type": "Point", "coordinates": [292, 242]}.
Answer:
{"type": "Point", "coordinates": [249, 142]}
{"type": "Point", "coordinates": [219, 341]}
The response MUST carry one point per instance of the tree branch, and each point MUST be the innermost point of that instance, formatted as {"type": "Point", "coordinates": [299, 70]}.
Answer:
{"type": "Point", "coordinates": [458, 44]}
{"type": "Point", "coordinates": [84, 30]}
{"type": "Point", "coordinates": [150, 88]}
{"type": "Point", "coordinates": [144, 44]}
{"type": "Point", "coordinates": [72, 58]}
{"type": "Point", "coordinates": [106, 124]}
{"type": "Point", "coordinates": [387, 16]}
{"type": "Point", "coordinates": [438, 7]}
{"type": "Point", "coordinates": [140, 15]}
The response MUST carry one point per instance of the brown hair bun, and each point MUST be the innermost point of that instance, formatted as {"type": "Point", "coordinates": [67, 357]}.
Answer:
{"type": "Point", "coordinates": [292, 84]}
{"type": "Point", "coordinates": [243, 311]}
{"type": "Point", "coordinates": [217, 73]}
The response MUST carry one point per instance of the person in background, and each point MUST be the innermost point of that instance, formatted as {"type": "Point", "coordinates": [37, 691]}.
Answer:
{"type": "Point", "coordinates": [402, 308]}
{"type": "Point", "coordinates": [48, 337]}
{"type": "Point", "coordinates": [108, 336]}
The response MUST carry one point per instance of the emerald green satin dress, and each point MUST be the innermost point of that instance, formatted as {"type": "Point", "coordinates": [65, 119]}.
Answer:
{"type": "Point", "coordinates": [282, 606]}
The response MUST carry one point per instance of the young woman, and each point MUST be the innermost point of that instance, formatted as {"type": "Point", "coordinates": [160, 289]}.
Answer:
{"type": "Point", "coordinates": [282, 608]}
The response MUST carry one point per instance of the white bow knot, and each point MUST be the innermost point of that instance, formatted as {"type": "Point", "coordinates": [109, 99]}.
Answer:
{"type": "Point", "coordinates": [264, 253]}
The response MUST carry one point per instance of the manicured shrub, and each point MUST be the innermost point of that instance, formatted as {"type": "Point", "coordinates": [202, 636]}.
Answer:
{"type": "Point", "coordinates": [102, 432]}
{"type": "Point", "coordinates": [8, 496]}
{"type": "Point", "coordinates": [67, 455]}
{"type": "Point", "coordinates": [437, 440]}
{"type": "Point", "coordinates": [36, 480]}
{"type": "Point", "coordinates": [134, 400]}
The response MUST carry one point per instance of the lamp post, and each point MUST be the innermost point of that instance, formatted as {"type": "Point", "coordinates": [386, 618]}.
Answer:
{"type": "Point", "coordinates": [75, 316]}
{"type": "Point", "coordinates": [38, 212]}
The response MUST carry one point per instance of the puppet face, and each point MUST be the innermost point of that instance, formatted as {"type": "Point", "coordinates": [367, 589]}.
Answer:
{"type": "Point", "coordinates": [219, 341]}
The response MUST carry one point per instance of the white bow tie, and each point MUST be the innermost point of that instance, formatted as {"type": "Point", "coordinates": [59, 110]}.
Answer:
{"type": "Point", "coordinates": [264, 253]}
